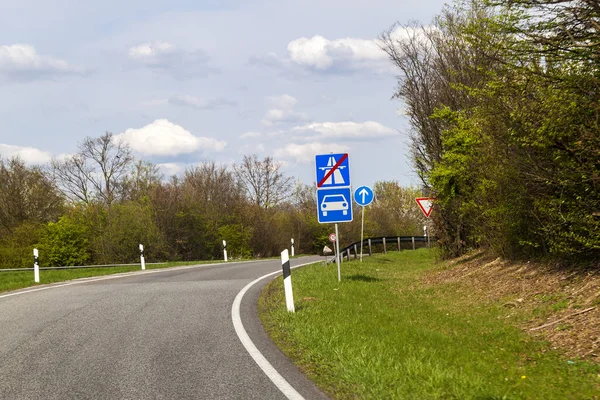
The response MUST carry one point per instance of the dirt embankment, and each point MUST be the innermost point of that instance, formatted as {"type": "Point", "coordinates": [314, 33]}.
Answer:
{"type": "Point", "coordinates": [560, 305]}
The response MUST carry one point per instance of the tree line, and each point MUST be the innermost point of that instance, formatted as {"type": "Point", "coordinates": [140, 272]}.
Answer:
{"type": "Point", "coordinates": [97, 205]}
{"type": "Point", "coordinates": [503, 99]}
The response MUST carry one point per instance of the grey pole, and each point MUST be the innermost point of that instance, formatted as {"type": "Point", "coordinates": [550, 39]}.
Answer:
{"type": "Point", "coordinates": [362, 229]}
{"type": "Point", "coordinates": [337, 252]}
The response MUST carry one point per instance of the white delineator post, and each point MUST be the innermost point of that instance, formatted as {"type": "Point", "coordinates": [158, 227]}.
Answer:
{"type": "Point", "coordinates": [36, 266]}
{"type": "Point", "coordinates": [142, 261]}
{"type": "Point", "coordinates": [225, 250]}
{"type": "Point", "coordinates": [287, 281]}
{"type": "Point", "coordinates": [292, 247]}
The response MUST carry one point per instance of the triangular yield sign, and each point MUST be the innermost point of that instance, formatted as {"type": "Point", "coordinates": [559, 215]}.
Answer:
{"type": "Point", "coordinates": [426, 205]}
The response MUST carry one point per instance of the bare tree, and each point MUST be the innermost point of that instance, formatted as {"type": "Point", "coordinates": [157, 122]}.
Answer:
{"type": "Point", "coordinates": [113, 158]}
{"type": "Point", "coordinates": [71, 176]}
{"type": "Point", "coordinates": [96, 172]}
{"type": "Point", "coordinates": [141, 178]}
{"type": "Point", "coordinates": [265, 184]}
{"type": "Point", "coordinates": [211, 184]}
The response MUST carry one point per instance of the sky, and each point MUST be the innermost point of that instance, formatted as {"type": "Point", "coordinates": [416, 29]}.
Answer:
{"type": "Point", "coordinates": [188, 81]}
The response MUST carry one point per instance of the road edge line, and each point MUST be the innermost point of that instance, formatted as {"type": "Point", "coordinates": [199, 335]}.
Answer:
{"type": "Point", "coordinates": [275, 377]}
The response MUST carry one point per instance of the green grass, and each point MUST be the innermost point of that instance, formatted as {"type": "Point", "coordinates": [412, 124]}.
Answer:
{"type": "Point", "coordinates": [382, 334]}
{"type": "Point", "coordinates": [23, 279]}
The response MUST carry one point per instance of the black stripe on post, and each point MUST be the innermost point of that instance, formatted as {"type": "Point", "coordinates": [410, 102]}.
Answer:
{"type": "Point", "coordinates": [286, 269]}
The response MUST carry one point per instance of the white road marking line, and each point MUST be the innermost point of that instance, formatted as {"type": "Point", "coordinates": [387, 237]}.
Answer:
{"type": "Point", "coordinates": [115, 276]}
{"type": "Point", "coordinates": [279, 381]}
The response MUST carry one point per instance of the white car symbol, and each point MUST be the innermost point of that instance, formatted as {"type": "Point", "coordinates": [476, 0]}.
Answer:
{"type": "Point", "coordinates": [334, 202]}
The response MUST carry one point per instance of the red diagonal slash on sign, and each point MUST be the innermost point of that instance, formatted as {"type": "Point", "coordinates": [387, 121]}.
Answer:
{"type": "Point", "coordinates": [327, 175]}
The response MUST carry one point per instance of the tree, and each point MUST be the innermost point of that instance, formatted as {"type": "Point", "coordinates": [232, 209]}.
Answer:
{"type": "Point", "coordinates": [118, 231]}
{"type": "Point", "coordinates": [96, 172]}
{"type": "Point", "coordinates": [503, 99]}
{"type": "Point", "coordinates": [395, 210]}
{"type": "Point", "coordinates": [139, 181]}
{"type": "Point", "coordinates": [71, 176]}
{"type": "Point", "coordinates": [66, 242]}
{"type": "Point", "coordinates": [27, 195]}
{"type": "Point", "coordinates": [439, 69]}
{"type": "Point", "coordinates": [264, 183]}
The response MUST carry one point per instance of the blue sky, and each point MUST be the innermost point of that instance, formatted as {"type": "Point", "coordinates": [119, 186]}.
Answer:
{"type": "Point", "coordinates": [190, 81]}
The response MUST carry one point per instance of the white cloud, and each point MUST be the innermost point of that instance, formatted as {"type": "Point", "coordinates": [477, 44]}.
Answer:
{"type": "Point", "coordinates": [250, 135]}
{"type": "Point", "coordinates": [165, 138]}
{"type": "Point", "coordinates": [148, 52]}
{"type": "Point", "coordinates": [252, 148]}
{"type": "Point", "coordinates": [198, 103]}
{"type": "Point", "coordinates": [284, 102]}
{"type": "Point", "coordinates": [166, 57]}
{"type": "Point", "coordinates": [275, 116]}
{"type": "Point", "coordinates": [29, 155]}
{"type": "Point", "coordinates": [154, 103]}
{"type": "Point", "coordinates": [170, 169]}
{"type": "Point", "coordinates": [184, 100]}
{"type": "Point", "coordinates": [21, 62]}
{"type": "Point", "coordinates": [345, 130]}
{"type": "Point", "coordinates": [321, 54]}
{"type": "Point", "coordinates": [305, 153]}
{"type": "Point", "coordinates": [282, 111]}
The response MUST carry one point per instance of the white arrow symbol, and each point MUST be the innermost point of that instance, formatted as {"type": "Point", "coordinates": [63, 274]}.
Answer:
{"type": "Point", "coordinates": [363, 193]}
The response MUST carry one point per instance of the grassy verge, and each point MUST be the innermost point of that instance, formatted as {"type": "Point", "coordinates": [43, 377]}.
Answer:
{"type": "Point", "coordinates": [22, 279]}
{"type": "Point", "coordinates": [383, 334]}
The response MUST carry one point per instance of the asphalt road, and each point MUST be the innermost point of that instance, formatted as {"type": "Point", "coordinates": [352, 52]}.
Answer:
{"type": "Point", "coordinates": [164, 334]}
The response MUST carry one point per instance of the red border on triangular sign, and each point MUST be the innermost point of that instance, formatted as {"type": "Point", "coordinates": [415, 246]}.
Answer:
{"type": "Point", "coordinates": [426, 212]}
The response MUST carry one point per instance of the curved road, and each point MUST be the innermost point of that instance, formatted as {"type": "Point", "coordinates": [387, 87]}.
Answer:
{"type": "Point", "coordinates": [158, 334]}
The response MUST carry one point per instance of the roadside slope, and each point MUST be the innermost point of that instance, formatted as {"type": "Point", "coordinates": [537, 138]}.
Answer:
{"type": "Point", "coordinates": [390, 329]}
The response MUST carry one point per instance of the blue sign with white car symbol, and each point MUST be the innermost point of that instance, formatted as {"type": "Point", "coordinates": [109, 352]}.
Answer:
{"type": "Point", "coordinates": [334, 205]}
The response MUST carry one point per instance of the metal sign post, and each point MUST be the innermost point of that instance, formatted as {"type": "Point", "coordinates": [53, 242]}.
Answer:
{"type": "Point", "coordinates": [363, 196]}
{"type": "Point", "coordinates": [337, 252]}
{"type": "Point", "coordinates": [362, 231]}
{"type": "Point", "coordinates": [426, 205]}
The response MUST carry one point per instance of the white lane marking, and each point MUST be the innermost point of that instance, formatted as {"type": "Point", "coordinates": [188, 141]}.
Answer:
{"type": "Point", "coordinates": [279, 381]}
{"type": "Point", "coordinates": [115, 276]}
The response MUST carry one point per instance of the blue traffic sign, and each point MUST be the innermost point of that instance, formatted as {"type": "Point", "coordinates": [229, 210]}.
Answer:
{"type": "Point", "coordinates": [363, 195]}
{"type": "Point", "coordinates": [334, 205]}
{"type": "Point", "coordinates": [332, 170]}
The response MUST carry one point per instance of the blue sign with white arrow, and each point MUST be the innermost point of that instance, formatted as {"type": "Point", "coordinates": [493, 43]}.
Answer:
{"type": "Point", "coordinates": [363, 195]}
